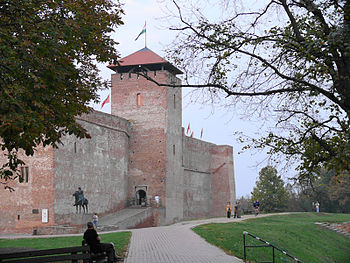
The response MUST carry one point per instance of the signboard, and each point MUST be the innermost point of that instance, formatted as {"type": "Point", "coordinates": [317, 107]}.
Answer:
{"type": "Point", "coordinates": [44, 215]}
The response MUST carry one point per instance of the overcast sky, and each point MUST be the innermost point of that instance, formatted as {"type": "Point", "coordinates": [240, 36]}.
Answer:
{"type": "Point", "coordinates": [218, 124]}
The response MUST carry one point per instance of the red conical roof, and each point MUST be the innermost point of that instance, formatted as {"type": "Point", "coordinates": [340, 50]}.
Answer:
{"type": "Point", "coordinates": [142, 57]}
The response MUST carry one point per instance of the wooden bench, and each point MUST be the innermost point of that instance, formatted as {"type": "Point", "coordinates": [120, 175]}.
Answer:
{"type": "Point", "coordinates": [98, 258]}
{"type": "Point", "coordinates": [72, 254]}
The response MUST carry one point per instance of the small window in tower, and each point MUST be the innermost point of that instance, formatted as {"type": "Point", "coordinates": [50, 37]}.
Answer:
{"type": "Point", "coordinates": [75, 147]}
{"type": "Point", "coordinates": [21, 179]}
{"type": "Point", "coordinates": [24, 177]}
{"type": "Point", "coordinates": [138, 98]}
{"type": "Point", "coordinates": [129, 75]}
{"type": "Point", "coordinates": [174, 149]}
{"type": "Point", "coordinates": [27, 174]}
{"type": "Point", "coordinates": [121, 76]}
{"type": "Point", "coordinates": [155, 73]}
{"type": "Point", "coordinates": [174, 102]}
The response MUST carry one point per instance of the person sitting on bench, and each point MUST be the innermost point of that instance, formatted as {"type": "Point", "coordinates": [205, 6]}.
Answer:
{"type": "Point", "coordinates": [94, 241]}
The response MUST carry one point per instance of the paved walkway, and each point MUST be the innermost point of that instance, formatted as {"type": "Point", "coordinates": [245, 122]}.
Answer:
{"type": "Point", "coordinates": [177, 243]}
{"type": "Point", "coordinates": [170, 244]}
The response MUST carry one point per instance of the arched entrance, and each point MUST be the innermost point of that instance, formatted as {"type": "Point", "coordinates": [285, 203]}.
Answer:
{"type": "Point", "coordinates": [141, 197]}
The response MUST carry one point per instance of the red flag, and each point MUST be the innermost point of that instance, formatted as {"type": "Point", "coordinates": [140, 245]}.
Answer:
{"type": "Point", "coordinates": [188, 129]}
{"type": "Point", "coordinates": [191, 134]}
{"type": "Point", "coordinates": [105, 101]}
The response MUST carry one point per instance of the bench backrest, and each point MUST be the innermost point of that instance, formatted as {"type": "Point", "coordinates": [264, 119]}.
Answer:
{"type": "Point", "coordinates": [47, 255]}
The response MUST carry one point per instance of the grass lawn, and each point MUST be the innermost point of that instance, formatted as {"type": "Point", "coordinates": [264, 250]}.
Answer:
{"type": "Point", "coordinates": [120, 240]}
{"type": "Point", "coordinates": [295, 233]}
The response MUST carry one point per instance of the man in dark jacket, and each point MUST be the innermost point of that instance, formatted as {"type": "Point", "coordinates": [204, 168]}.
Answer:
{"type": "Point", "coordinates": [94, 241]}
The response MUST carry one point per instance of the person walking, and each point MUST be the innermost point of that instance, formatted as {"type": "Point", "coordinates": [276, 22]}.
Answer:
{"type": "Point", "coordinates": [94, 241]}
{"type": "Point", "coordinates": [156, 198]}
{"type": "Point", "coordinates": [235, 210]}
{"type": "Point", "coordinates": [228, 209]}
{"type": "Point", "coordinates": [317, 205]}
{"type": "Point", "coordinates": [95, 220]}
{"type": "Point", "coordinates": [256, 206]}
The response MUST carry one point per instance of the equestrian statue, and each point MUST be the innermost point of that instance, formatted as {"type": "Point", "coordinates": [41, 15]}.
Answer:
{"type": "Point", "coordinates": [80, 201]}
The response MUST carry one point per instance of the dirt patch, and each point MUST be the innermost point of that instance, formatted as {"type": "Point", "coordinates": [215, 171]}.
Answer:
{"type": "Point", "coordinates": [341, 228]}
{"type": "Point", "coordinates": [344, 227]}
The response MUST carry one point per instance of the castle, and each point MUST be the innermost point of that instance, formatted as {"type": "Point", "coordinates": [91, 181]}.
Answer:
{"type": "Point", "coordinates": [137, 152]}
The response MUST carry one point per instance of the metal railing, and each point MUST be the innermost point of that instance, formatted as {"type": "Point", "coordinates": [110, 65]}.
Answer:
{"type": "Point", "coordinates": [267, 244]}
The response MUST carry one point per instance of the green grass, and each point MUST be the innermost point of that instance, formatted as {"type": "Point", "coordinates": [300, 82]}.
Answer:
{"type": "Point", "coordinates": [295, 233]}
{"type": "Point", "coordinates": [120, 240]}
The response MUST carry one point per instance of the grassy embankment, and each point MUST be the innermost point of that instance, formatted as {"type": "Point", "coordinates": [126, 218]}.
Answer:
{"type": "Point", "coordinates": [120, 240]}
{"type": "Point", "coordinates": [295, 233]}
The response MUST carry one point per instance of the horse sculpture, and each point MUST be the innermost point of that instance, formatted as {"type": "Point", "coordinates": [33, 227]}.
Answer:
{"type": "Point", "coordinates": [80, 202]}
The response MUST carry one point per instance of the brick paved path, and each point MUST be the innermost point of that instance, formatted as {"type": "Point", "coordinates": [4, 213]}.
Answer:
{"type": "Point", "coordinates": [170, 244]}
{"type": "Point", "coordinates": [176, 244]}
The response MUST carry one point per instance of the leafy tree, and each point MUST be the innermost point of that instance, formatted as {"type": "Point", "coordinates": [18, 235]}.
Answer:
{"type": "Point", "coordinates": [328, 188]}
{"type": "Point", "coordinates": [293, 204]}
{"type": "Point", "coordinates": [317, 190]}
{"type": "Point", "coordinates": [286, 57]}
{"type": "Point", "coordinates": [339, 190]}
{"type": "Point", "coordinates": [48, 73]}
{"type": "Point", "coordinates": [245, 204]}
{"type": "Point", "coordinates": [270, 191]}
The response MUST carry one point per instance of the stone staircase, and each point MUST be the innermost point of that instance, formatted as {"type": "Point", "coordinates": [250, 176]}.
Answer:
{"type": "Point", "coordinates": [124, 219]}
{"type": "Point", "coordinates": [127, 218]}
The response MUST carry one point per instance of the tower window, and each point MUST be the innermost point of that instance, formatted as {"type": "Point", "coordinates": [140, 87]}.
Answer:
{"type": "Point", "coordinates": [173, 149]}
{"type": "Point", "coordinates": [174, 102]}
{"type": "Point", "coordinates": [75, 147]}
{"type": "Point", "coordinates": [138, 99]}
{"type": "Point", "coordinates": [24, 174]}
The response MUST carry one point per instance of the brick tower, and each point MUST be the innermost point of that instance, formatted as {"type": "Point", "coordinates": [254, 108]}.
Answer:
{"type": "Point", "coordinates": [155, 112]}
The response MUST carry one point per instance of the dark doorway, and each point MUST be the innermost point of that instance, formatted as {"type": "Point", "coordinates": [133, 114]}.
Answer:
{"type": "Point", "coordinates": [141, 197]}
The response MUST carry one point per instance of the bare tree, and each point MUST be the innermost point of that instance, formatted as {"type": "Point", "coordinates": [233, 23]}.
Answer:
{"type": "Point", "coordinates": [290, 58]}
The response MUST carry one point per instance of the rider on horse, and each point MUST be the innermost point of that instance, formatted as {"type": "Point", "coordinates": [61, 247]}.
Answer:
{"type": "Point", "coordinates": [80, 200]}
{"type": "Point", "coordinates": [80, 195]}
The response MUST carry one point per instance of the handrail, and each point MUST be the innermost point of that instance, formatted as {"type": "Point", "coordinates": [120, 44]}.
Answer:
{"type": "Point", "coordinates": [267, 245]}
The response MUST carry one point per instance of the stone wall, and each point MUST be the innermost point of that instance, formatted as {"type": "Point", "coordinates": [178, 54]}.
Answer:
{"type": "Point", "coordinates": [174, 169]}
{"type": "Point", "coordinates": [222, 179]}
{"type": "Point", "coordinates": [208, 178]}
{"type": "Point", "coordinates": [98, 165]}
{"type": "Point", "coordinates": [197, 177]}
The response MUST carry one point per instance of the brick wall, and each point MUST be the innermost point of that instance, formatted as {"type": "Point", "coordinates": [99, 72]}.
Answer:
{"type": "Point", "coordinates": [21, 210]}
{"type": "Point", "coordinates": [147, 164]}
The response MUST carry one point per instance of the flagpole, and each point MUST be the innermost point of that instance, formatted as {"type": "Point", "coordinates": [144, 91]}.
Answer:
{"type": "Point", "coordinates": [145, 35]}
